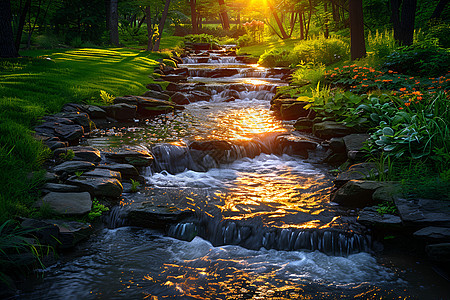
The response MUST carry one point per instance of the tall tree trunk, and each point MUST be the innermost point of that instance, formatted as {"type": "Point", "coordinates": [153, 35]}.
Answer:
{"type": "Point", "coordinates": [21, 24]}
{"type": "Point", "coordinates": [358, 44]}
{"type": "Point", "coordinates": [7, 48]}
{"type": "Point", "coordinates": [161, 25]}
{"type": "Point", "coordinates": [302, 33]}
{"type": "Point", "coordinates": [224, 15]}
{"type": "Point", "coordinates": [325, 7]}
{"type": "Point", "coordinates": [284, 36]}
{"type": "Point", "coordinates": [114, 23]}
{"type": "Point", "coordinates": [403, 21]}
{"type": "Point", "coordinates": [148, 12]}
{"type": "Point", "coordinates": [439, 8]}
{"type": "Point", "coordinates": [194, 16]}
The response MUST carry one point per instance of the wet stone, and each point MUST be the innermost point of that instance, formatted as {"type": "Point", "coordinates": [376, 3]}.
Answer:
{"type": "Point", "coordinates": [121, 111]}
{"type": "Point", "coordinates": [356, 193]}
{"type": "Point", "coordinates": [329, 129]}
{"type": "Point", "coordinates": [359, 171]}
{"type": "Point", "coordinates": [137, 158]}
{"type": "Point", "coordinates": [370, 217]}
{"type": "Point", "coordinates": [434, 234]}
{"type": "Point", "coordinates": [82, 153]}
{"type": "Point", "coordinates": [424, 212]}
{"type": "Point", "coordinates": [155, 94]}
{"type": "Point", "coordinates": [67, 203]}
{"type": "Point", "coordinates": [103, 173]}
{"type": "Point", "coordinates": [439, 252]}
{"type": "Point", "coordinates": [126, 170]}
{"type": "Point", "coordinates": [73, 166]}
{"type": "Point", "coordinates": [60, 188]}
{"type": "Point", "coordinates": [98, 186]}
{"type": "Point", "coordinates": [154, 87]}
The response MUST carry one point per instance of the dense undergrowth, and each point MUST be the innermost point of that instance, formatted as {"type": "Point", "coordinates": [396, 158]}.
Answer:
{"type": "Point", "coordinates": [41, 83]}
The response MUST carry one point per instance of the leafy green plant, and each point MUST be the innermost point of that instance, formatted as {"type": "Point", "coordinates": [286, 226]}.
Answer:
{"type": "Point", "coordinates": [14, 242]}
{"type": "Point", "coordinates": [387, 207]}
{"type": "Point", "coordinates": [69, 155]}
{"type": "Point", "coordinates": [135, 185]}
{"type": "Point", "coordinates": [106, 98]}
{"type": "Point", "coordinates": [78, 174]}
{"type": "Point", "coordinates": [97, 210]}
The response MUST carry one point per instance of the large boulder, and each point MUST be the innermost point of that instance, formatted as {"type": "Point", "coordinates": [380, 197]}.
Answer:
{"type": "Point", "coordinates": [329, 129]}
{"type": "Point", "coordinates": [127, 171]}
{"type": "Point", "coordinates": [72, 232]}
{"type": "Point", "coordinates": [67, 203]}
{"type": "Point", "coordinates": [439, 252]}
{"type": "Point", "coordinates": [95, 112]}
{"type": "Point", "coordinates": [434, 234]}
{"type": "Point", "coordinates": [354, 144]}
{"type": "Point", "coordinates": [359, 171]}
{"type": "Point", "coordinates": [154, 87]}
{"type": "Point", "coordinates": [98, 186]}
{"type": "Point", "coordinates": [66, 132]}
{"type": "Point", "coordinates": [304, 124]}
{"type": "Point", "coordinates": [357, 193]}
{"type": "Point", "coordinates": [180, 98]}
{"type": "Point", "coordinates": [79, 118]}
{"type": "Point", "coordinates": [195, 96]}
{"type": "Point", "coordinates": [222, 72]}
{"type": "Point", "coordinates": [121, 111]}
{"type": "Point", "coordinates": [104, 173]}
{"type": "Point", "coordinates": [71, 167]}
{"type": "Point", "coordinates": [60, 188]}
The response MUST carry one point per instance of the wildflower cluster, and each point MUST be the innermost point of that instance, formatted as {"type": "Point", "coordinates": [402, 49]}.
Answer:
{"type": "Point", "coordinates": [365, 79]}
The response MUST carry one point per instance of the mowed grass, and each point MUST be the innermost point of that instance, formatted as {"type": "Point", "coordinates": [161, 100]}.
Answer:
{"type": "Point", "coordinates": [40, 83]}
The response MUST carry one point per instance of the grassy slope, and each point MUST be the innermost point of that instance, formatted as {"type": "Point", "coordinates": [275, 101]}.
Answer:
{"type": "Point", "coordinates": [33, 86]}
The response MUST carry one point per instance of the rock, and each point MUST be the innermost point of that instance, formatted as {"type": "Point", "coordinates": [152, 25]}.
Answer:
{"type": "Point", "coordinates": [154, 87]}
{"type": "Point", "coordinates": [72, 232]}
{"type": "Point", "coordinates": [388, 192]}
{"type": "Point", "coordinates": [63, 131]}
{"type": "Point", "coordinates": [46, 232]}
{"type": "Point", "coordinates": [126, 171]}
{"type": "Point", "coordinates": [210, 145]}
{"type": "Point", "coordinates": [179, 71]}
{"type": "Point", "coordinates": [200, 46]}
{"type": "Point", "coordinates": [121, 111]}
{"type": "Point", "coordinates": [370, 217]}
{"type": "Point", "coordinates": [356, 193]}
{"type": "Point", "coordinates": [135, 157]}
{"type": "Point", "coordinates": [79, 118]}
{"type": "Point", "coordinates": [150, 106]}
{"type": "Point", "coordinates": [68, 203]}
{"type": "Point", "coordinates": [157, 95]}
{"type": "Point", "coordinates": [295, 145]}
{"type": "Point", "coordinates": [303, 124]}
{"type": "Point", "coordinates": [81, 153]}
{"type": "Point", "coordinates": [337, 145]}
{"type": "Point", "coordinates": [95, 112]}
{"type": "Point", "coordinates": [434, 234]}
{"type": "Point", "coordinates": [73, 107]}
{"type": "Point", "coordinates": [222, 72]}
{"type": "Point", "coordinates": [60, 188]}
{"type": "Point", "coordinates": [103, 173]}
{"type": "Point", "coordinates": [359, 171]}
{"type": "Point", "coordinates": [247, 60]}
{"type": "Point", "coordinates": [195, 96]}
{"type": "Point", "coordinates": [73, 166]}
{"type": "Point", "coordinates": [174, 78]}
{"type": "Point", "coordinates": [130, 100]}
{"type": "Point", "coordinates": [275, 103]}
{"type": "Point", "coordinates": [329, 129]}
{"type": "Point", "coordinates": [50, 177]}
{"type": "Point", "coordinates": [175, 87]}
{"type": "Point", "coordinates": [439, 252]}
{"type": "Point", "coordinates": [354, 144]}
{"type": "Point", "coordinates": [229, 99]}
{"type": "Point", "coordinates": [53, 145]}
{"type": "Point", "coordinates": [180, 98]}
{"type": "Point", "coordinates": [424, 212]}
{"type": "Point", "coordinates": [98, 186]}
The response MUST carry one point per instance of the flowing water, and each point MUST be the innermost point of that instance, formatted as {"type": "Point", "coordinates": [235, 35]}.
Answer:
{"type": "Point", "coordinates": [262, 228]}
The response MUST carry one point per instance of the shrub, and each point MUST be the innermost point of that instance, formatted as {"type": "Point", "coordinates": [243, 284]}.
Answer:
{"type": "Point", "coordinates": [244, 40]}
{"type": "Point", "coordinates": [201, 38]}
{"type": "Point", "coordinates": [419, 60]}
{"type": "Point", "coordinates": [47, 41]}
{"type": "Point", "coordinates": [381, 44]}
{"type": "Point", "coordinates": [318, 50]}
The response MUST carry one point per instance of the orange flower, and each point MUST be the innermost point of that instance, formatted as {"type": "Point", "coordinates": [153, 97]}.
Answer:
{"type": "Point", "coordinates": [403, 89]}
{"type": "Point", "coordinates": [400, 108]}
{"type": "Point", "coordinates": [407, 104]}
{"type": "Point", "coordinates": [390, 71]}
{"type": "Point", "coordinates": [364, 85]}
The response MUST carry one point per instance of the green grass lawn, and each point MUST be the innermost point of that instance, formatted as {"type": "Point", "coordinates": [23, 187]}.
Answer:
{"type": "Point", "coordinates": [41, 83]}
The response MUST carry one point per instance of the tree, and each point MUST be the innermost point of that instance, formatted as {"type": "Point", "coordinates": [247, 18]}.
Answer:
{"type": "Point", "coordinates": [23, 14]}
{"type": "Point", "coordinates": [284, 35]}
{"type": "Point", "coordinates": [7, 48]}
{"type": "Point", "coordinates": [439, 8]}
{"type": "Point", "coordinates": [162, 22]}
{"type": "Point", "coordinates": [403, 14]}
{"type": "Point", "coordinates": [193, 16]}
{"type": "Point", "coordinates": [358, 43]}
{"type": "Point", "coordinates": [224, 15]}
{"type": "Point", "coordinates": [113, 24]}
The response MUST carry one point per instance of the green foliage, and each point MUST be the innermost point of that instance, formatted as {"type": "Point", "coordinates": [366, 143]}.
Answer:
{"type": "Point", "coordinates": [244, 40]}
{"type": "Point", "coordinates": [170, 63]}
{"type": "Point", "coordinates": [306, 73]}
{"type": "Point", "coordinates": [34, 85]}
{"type": "Point", "coordinates": [317, 50]}
{"type": "Point", "coordinates": [134, 185]}
{"type": "Point", "coordinates": [419, 60]}
{"type": "Point", "coordinates": [15, 242]}
{"type": "Point", "coordinates": [381, 44]}
{"type": "Point", "coordinates": [107, 99]}
{"type": "Point", "coordinates": [97, 210]}
{"type": "Point", "coordinates": [47, 41]}
{"type": "Point", "coordinates": [78, 174]}
{"type": "Point", "coordinates": [440, 31]}
{"type": "Point", "coordinates": [387, 208]}
{"type": "Point", "coordinates": [201, 38]}
{"type": "Point", "coordinates": [69, 155]}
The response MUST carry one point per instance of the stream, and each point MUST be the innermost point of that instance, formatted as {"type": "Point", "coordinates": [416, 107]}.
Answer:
{"type": "Point", "coordinates": [263, 227]}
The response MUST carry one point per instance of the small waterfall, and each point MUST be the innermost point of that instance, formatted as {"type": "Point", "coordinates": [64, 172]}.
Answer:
{"type": "Point", "coordinates": [212, 59]}
{"type": "Point", "coordinates": [329, 241]}
{"type": "Point", "coordinates": [116, 217]}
